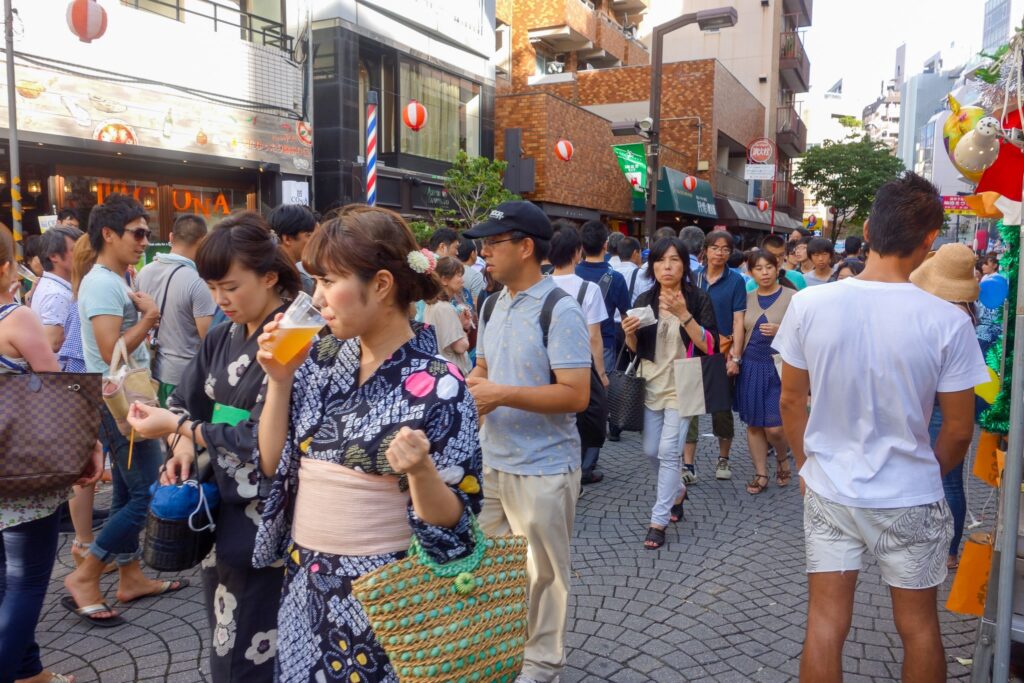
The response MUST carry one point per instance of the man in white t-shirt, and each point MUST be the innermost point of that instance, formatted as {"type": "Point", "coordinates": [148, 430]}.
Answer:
{"type": "Point", "coordinates": [880, 347]}
{"type": "Point", "coordinates": [567, 251]}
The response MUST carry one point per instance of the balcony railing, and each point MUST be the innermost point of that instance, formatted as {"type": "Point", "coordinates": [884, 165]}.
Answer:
{"type": "Point", "coordinates": [251, 27]}
{"type": "Point", "coordinates": [788, 198]}
{"type": "Point", "coordinates": [791, 132]}
{"type": "Point", "coordinates": [794, 66]}
{"type": "Point", "coordinates": [731, 186]}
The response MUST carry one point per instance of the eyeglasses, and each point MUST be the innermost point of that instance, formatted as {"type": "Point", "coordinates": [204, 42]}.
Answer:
{"type": "Point", "coordinates": [491, 242]}
{"type": "Point", "coordinates": [141, 234]}
{"type": "Point", "coordinates": [720, 249]}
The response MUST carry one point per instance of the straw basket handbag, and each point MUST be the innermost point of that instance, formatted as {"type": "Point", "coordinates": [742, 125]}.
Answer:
{"type": "Point", "coordinates": [462, 620]}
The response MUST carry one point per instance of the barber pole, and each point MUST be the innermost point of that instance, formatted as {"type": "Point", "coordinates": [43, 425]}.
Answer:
{"type": "Point", "coordinates": [371, 148]}
{"type": "Point", "coordinates": [689, 183]}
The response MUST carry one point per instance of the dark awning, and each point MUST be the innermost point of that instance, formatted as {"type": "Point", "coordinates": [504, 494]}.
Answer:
{"type": "Point", "coordinates": [674, 198]}
{"type": "Point", "coordinates": [740, 215]}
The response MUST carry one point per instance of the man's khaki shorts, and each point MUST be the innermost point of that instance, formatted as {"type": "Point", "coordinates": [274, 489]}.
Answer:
{"type": "Point", "coordinates": [910, 544]}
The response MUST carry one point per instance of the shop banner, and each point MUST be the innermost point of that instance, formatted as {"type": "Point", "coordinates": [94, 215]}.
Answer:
{"type": "Point", "coordinates": [633, 162]}
{"type": "Point", "coordinates": [956, 205]}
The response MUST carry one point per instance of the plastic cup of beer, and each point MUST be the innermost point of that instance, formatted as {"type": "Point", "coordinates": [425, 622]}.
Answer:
{"type": "Point", "coordinates": [300, 323]}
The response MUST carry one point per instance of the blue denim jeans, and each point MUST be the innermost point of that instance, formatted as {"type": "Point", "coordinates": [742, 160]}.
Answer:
{"type": "Point", "coordinates": [119, 538]}
{"type": "Point", "coordinates": [952, 485]}
{"type": "Point", "coordinates": [27, 555]}
{"type": "Point", "coordinates": [664, 431]}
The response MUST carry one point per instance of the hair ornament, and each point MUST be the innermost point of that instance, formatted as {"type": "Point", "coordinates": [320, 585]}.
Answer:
{"type": "Point", "coordinates": [423, 261]}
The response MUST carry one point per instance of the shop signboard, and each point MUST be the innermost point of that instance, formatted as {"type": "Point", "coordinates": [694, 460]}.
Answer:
{"type": "Point", "coordinates": [956, 205]}
{"type": "Point", "coordinates": [58, 103]}
{"type": "Point", "coordinates": [633, 162]}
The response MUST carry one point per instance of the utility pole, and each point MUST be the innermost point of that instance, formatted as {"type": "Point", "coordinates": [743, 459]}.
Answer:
{"type": "Point", "coordinates": [12, 127]}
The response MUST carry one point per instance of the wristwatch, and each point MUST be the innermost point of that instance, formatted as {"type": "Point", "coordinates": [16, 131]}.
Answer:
{"type": "Point", "coordinates": [738, 360]}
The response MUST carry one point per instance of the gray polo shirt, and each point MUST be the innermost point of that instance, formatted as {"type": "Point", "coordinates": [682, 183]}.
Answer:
{"type": "Point", "coordinates": [188, 298]}
{"type": "Point", "coordinates": [514, 440]}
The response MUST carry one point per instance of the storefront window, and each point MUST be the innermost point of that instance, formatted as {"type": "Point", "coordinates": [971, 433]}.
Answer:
{"type": "Point", "coordinates": [211, 203]}
{"type": "Point", "coordinates": [84, 192]}
{"type": "Point", "coordinates": [453, 112]}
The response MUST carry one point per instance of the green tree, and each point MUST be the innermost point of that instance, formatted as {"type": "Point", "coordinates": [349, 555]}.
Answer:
{"type": "Point", "coordinates": [846, 175]}
{"type": "Point", "coordinates": [474, 185]}
{"type": "Point", "coordinates": [850, 122]}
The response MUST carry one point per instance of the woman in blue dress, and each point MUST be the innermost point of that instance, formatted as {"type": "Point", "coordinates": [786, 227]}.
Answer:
{"type": "Point", "coordinates": [370, 440]}
{"type": "Point", "coordinates": [759, 387]}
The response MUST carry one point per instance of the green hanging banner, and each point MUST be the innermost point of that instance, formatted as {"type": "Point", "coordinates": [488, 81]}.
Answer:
{"type": "Point", "coordinates": [633, 162]}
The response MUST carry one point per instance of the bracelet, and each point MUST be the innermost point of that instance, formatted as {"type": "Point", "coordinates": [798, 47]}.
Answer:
{"type": "Point", "coordinates": [687, 321]}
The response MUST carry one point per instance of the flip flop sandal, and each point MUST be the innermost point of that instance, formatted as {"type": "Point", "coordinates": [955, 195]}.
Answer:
{"type": "Point", "coordinates": [656, 537]}
{"type": "Point", "coordinates": [60, 678]}
{"type": "Point", "coordinates": [165, 587]}
{"type": "Point", "coordinates": [85, 613]}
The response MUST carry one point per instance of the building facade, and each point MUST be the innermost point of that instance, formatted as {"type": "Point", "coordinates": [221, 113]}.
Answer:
{"type": "Point", "coordinates": [881, 118]}
{"type": "Point", "coordinates": [222, 126]}
{"type": "Point", "coordinates": [766, 54]}
{"type": "Point", "coordinates": [1001, 18]}
{"type": "Point", "coordinates": [601, 75]}
{"type": "Point", "coordinates": [439, 53]}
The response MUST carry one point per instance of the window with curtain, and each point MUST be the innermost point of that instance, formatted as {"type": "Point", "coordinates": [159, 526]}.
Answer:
{"type": "Point", "coordinates": [453, 112]}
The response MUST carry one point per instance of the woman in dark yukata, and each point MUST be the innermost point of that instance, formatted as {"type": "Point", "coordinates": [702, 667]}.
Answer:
{"type": "Point", "coordinates": [219, 401]}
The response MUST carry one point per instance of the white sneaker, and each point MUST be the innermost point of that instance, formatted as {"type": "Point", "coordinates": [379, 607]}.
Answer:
{"type": "Point", "coordinates": [723, 471]}
{"type": "Point", "coordinates": [523, 678]}
{"type": "Point", "coordinates": [689, 476]}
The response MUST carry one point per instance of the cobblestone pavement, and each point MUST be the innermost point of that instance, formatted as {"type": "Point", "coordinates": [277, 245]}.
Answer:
{"type": "Point", "coordinates": [723, 600]}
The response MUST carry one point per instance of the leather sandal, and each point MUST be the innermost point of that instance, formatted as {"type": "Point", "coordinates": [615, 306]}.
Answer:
{"type": "Point", "coordinates": [655, 538]}
{"type": "Point", "coordinates": [755, 485]}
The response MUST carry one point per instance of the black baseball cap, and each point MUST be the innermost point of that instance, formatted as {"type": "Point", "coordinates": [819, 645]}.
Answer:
{"type": "Point", "coordinates": [520, 215]}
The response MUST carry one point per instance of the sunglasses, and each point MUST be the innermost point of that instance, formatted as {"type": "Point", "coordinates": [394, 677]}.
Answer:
{"type": "Point", "coordinates": [141, 234]}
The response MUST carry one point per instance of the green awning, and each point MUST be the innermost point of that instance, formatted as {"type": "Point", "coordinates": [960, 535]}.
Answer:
{"type": "Point", "coordinates": [674, 198]}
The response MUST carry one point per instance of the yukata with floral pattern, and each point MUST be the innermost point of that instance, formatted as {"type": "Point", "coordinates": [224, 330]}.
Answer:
{"type": "Point", "coordinates": [324, 634]}
{"type": "Point", "coordinates": [241, 601]}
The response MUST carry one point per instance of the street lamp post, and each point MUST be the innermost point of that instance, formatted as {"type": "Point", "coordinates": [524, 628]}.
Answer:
{"type": "Point", "coordinates": [708, 20]}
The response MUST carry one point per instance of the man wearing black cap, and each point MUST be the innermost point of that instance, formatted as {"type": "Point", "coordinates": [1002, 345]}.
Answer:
{"type": "Point", "coordinates": [528, 390]}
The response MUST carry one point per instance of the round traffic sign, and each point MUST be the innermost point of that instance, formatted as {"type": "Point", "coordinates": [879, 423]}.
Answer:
{"type": "Point", "coordinates": [761, 151]}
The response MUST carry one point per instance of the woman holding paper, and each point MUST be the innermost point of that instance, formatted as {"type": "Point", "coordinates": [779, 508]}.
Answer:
{"type": "Point", "coordinates": [680, 323]}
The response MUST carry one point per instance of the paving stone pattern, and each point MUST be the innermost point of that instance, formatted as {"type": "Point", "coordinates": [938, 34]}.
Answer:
{"type": "Point", "coordinates": [723, 600]}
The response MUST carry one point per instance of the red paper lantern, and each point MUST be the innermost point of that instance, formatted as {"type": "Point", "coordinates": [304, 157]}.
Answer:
{"type": "Point", "coordinates": [87, 19]}
{"type": "Point", "coordinates": [414, 115]}
{"type": "Point", "coordinates": [689, 183]}
{"type": "Point", "coordinates": [564, 150]}
{"type": "Point", "coordinates": [762, 204]}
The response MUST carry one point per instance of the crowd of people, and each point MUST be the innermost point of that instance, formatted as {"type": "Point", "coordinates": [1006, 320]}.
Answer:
{"type": "Point", "coordinates": [464, 382]}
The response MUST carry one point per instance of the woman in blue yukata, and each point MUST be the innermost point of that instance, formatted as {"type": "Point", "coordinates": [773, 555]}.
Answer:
{"type": "Point", "coordinates": [371, 437]}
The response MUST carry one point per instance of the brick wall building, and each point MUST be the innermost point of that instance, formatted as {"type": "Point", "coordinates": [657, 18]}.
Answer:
{"type": "Point", "coordinates": [708, 116]}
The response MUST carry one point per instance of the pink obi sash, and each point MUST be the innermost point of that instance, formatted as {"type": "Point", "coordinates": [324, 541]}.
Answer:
{"type": "Point", "coordinates": [340, 511]}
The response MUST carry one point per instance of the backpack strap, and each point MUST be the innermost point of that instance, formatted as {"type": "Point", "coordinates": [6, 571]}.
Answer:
{"type": "Point", "coordinates": [488, 308]}
{"type": "Point", "coordinates": [632, 284]}
{"type": "Point", "coordinates": [582, 294]}
{"type": "Point", "coordinates": [605, 283]}
{"type": "Point", "coordinates": [548, 309]}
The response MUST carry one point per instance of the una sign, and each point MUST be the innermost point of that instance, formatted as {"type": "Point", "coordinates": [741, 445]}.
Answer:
{"type": "Point", "coordinates": [761, 151]}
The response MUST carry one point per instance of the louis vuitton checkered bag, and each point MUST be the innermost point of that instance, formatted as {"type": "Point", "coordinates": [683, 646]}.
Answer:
{"type": "Point", "coordinates": [49, 422]}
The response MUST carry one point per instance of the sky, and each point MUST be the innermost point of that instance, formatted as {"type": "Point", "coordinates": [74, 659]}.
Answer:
{"type": "Point", "coordinates": [857, 41]}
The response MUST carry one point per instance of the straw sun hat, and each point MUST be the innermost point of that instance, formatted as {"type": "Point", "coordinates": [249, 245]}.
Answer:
{"type": "Point", "coordinates": [948, 274]}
